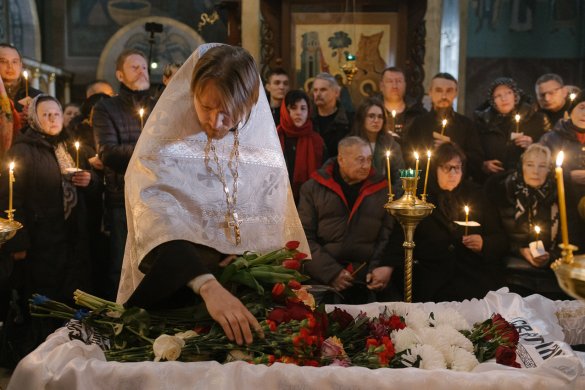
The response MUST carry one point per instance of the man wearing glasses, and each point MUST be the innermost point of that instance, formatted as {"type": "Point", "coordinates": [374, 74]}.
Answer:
{"type": "Point", "coordinates": [552, 96]}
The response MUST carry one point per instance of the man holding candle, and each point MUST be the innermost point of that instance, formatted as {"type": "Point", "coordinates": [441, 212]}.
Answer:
{"type": "Point", "coordinates": [507, 124]}
{"type": "Point", "coordinates": [399, 113]}
{"type": "Point", "coordinates": [11, 74]}
{"type": "Point", "coordinates": [341, 209]}
{"type": "Point", "coordinates": [117, 126]}
{"type": "Point", "coordinates": [425, 132]}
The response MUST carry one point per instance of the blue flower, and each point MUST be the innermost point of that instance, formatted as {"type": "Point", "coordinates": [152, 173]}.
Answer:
{"type": "Point", "coordinates": [39, 299]}
{"type": "Point", "coordinates": [80, 314]}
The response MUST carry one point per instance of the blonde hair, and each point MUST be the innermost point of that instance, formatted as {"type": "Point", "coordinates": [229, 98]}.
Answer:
{"type": "Point", "coordinates": [233, 72]}
{"type": "Point", "coordinates": [537, 149]}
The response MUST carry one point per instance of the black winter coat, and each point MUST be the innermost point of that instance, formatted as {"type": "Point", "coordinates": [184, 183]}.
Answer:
{"type": "Point", "coordinates": [338, 235]}
{"type": "Point", "coordinates": [444, 269]}
{"type": "Point", "coordinates": [339, 128]}
{"type": "Point", "coordinates": [116, 125]}
{"type": "Point", "coordinates": [57, 260]}
{"type": "Point", "coordinates": [495, 130]}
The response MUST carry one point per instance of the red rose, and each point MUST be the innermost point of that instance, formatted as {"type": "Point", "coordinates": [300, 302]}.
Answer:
{"type": "Point", "coordinates": [300, 256]}
{"type": "Point", "coordinates": [278, 315]}
{"type": "Point", "coordinates": [297, 310]}
{"type": "Point", "coordinates": [294, 285]}
{"type": "Point", "coordinates": [396, 323]}
{"type": "Point", "coordinates": [505, 356]}
{"type": "Point", "coordinates": [291, 264]}
{"type": "Point", "coordinates": [343, 318]}
{"type": "Point", "coordinates": [292, 245]}
{"type": "Point", "coordinates": [278, 290]}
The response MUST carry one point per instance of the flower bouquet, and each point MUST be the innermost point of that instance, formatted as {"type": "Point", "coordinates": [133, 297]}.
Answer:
{"type": "Point", "coordinates": [296, 330]}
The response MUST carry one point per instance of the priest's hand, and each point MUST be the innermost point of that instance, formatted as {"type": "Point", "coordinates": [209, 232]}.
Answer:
{"type": "Point", "coordinates": [379, 277]}
{"type": "Point", "coordinates": [343, 281]}
{"type": "Point", "coordinates": [235, 319]}
{"type": "Point", "coordinates": [537, 262]}
{"type": "Point", "coordinates": [474, 242]}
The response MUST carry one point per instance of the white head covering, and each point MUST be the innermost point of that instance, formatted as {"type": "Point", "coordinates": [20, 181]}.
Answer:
{"type": "Point", "coordinates": [170, 195]}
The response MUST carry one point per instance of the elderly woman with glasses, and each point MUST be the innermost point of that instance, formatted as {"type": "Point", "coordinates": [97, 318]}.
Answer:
{"type": "Point", "coordinates": [508, 124]}
{"type": "Point", "coordinates": [370, 124]}
{"type": "Point", "coordinates": [453, 262]}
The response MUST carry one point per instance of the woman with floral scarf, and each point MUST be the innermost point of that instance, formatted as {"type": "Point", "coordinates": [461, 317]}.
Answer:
{"type": "Point", "coordinates": [526, 198]}
{"type": "Point", "coordinates": [50, 252]}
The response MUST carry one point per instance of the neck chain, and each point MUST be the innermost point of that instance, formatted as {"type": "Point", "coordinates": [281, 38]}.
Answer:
{"type": "Point", "coordinates": [232, 220]}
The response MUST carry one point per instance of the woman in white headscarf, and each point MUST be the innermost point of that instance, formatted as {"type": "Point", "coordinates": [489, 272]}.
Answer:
{"type": "Point", "coordinates": [207, 179]}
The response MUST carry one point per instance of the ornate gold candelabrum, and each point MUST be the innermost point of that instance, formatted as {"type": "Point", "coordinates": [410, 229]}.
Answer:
{"type": "Point", "coordinates": [8, 228]}
{"type": "Point", "coordinates": [349, 69]}
{"type": "Point", "coordinates": [409, 210]}
{"type": "Point", "coordinates": [570, 272]}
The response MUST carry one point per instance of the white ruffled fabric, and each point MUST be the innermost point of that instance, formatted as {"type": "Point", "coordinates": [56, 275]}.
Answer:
{"type": "Point", "coordinates": [63, 364]}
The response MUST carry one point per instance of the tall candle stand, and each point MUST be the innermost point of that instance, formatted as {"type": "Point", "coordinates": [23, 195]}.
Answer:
{"type": "Point", "coordinates": [409, 210]}
{"type": "Point", "coordinates": [570, 272]}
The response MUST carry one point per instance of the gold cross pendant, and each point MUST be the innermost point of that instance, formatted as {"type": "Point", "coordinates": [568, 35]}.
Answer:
{"type": "Point", "coordinates": [235, 224]}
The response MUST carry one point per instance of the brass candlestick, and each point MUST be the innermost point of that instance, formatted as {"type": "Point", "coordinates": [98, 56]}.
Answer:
{"type": "Point", "coordinates": [570, 272]}
{"type": "Point", "coordinates": [8, 228]}
{"type": "Point", "coordinates": [409, 210]}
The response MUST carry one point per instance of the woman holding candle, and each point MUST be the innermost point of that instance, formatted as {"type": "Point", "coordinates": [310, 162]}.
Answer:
{"type": "Point", "coordinates": [449, 265]}
{"type": "Point", "coordinates": [508, 124]}
{"type": "Point", "coordinates": [526, 198]}
{"type": "Point", "coordinates": [50, 252]}
{"type": "Point", "coordinates": [369, 123]}
{"type": "Point", "coordinates": [303, 147]}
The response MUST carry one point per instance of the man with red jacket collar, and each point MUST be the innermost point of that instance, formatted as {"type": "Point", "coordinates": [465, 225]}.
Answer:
{"type": "Point", "coordinates": [341, 209]}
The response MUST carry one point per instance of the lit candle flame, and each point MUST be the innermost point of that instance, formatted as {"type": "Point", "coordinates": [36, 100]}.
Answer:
{"type": "Point", "coordinates": [387, 153]}
{"type": "Point", "coordinates": [416, 155]}
{"type": "Point", "coordinates": [11, 167]}
{"type": "Point", "coordinates": [537, 229]}
{"type": "Point", "coordinates": [517, 117]}
{"type": "Point", "coordinates": [428, 153]}
{"type": "Point", "coordinates": [25, 74]}
{"type": "Point", "coordinates": [572, 96]}
{"type": "Point", "coordinates": [393, 113]}
{"type": "Point", "coordinates": [444, 122]}
{"type": "Point", "coordinates": [466, 210]}
{"type": "Point", "coordinates": [77, 145]}
{"type": "Point", "coordinates": [560, 158]}
{"type": "Point", "coordinates": [141, 112]}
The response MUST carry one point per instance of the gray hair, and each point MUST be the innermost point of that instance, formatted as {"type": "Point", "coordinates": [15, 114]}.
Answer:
{"type": "Point", "coordinates": [549, 77]}
{"type": "Point", "coordinates": [328, 77]}
{"type": "Point", "coordinates": [350, 141]}
{"type": "Point", "coordinates": [537, 149]}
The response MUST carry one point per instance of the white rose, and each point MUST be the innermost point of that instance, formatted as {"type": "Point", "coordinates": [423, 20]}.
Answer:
{"type": "Point", "coordinates": [167, 347]}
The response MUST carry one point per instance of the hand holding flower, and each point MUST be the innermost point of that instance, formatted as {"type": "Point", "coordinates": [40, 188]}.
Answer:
{"type": "Point", "coordinates": [343, 281]}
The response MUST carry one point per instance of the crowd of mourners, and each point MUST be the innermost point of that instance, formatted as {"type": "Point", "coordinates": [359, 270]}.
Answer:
{"type": "Point", "coordinates": [500, 164]}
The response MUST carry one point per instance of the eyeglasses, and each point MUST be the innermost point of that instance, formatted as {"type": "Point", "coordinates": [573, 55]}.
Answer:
{"type": "Point", "coordinates": [551, 92]}
{"type": "Point", "coordinates": [447, 168]}
{"type": "Point", "coordinates": [373, 117]}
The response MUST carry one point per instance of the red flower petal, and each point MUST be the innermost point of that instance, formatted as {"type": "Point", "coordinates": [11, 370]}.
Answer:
{"type": "Point", "coordinates": [291, 264]}
{"type": "Point", "coordinates": [292, 245]}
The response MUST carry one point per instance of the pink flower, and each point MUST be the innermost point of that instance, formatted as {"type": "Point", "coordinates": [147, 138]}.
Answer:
{"type": "Point", "coordinates": [332, 348]}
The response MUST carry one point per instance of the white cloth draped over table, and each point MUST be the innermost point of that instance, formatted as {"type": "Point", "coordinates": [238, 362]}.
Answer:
{"type": "Point", "coordinates": [171, 196]}
{"type": "Point", "coordinates": [60, 363]}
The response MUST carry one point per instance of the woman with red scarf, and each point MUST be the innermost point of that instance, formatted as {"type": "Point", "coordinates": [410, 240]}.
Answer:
{"type": "Point", "coordinates": [302, 146]}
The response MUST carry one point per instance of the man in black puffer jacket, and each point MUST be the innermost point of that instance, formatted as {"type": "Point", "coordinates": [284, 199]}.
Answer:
{"type": "Point", "coordinates": [342, 211]}
{"type": "Point", "coordinates": [117, 125]}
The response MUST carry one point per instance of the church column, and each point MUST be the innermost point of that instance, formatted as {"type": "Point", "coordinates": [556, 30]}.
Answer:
{"type": "Point", "coordinates": [67, 92]}
{"type": "Point", "coordinates": [251, 27]}
{"type": "Point", "coordinates": [433, 40]}
{"type": "Point", "coordinates": [52, 78]}
{"type": "Point", "coordinates": [35, 82]}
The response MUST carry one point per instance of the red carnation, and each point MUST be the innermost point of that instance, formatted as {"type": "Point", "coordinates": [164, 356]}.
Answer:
{"type": "Point", "coordinates": [395, 322]}
{"type": "Point", "coordinates": [291, 264]}
{"type": "Point", "coordinates": [292, 245]}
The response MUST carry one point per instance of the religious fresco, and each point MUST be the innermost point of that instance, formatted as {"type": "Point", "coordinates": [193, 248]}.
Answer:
{"type": "Point", "coordinates": [322, 44]}
{"type": "Point", "coordinates": [91, 23]}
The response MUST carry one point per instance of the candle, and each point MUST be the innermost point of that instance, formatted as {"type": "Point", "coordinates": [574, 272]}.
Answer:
{"type": "Point", "coordinates": [77, 155]}
{"type": "Point", "coordinates": [561, 195]}
{"type": "Point", "coordinates": [466, 218]}
{"type": "Point", "coordinates": [25, 75]}
{"type": "Point", "coordinates": [141, 113]}
{"type": "Point", "coordinates": [416, 166]}
{"type": "Point", "coordinates": [517, 118]}
{"type": "Point", "coordinates": [427, 172]}
{"type": "Point", "coordinates": [394, 121]}
{"type": "Point", "coordinates": [537, 231]}
{"type": "Point", "coordinates": [10, 190]}
{"type": "Point", "coordinates": [389, 176]}
{"type": "Point", "coordinates": [444, 123]}
{"type": "Point", "coordinates": [572, 96]}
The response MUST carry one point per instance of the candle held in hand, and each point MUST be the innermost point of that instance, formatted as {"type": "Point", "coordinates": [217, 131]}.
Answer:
{"type": "Point", "coordinates": [389, 176]}
{"type": "Point", "coordinates": [25, 75]}
{"type": "Point", "coordinates": [466, 208]}
{"type": "Point", "coordinates": [141, 113]}
{"type": "Point", "coordinates": [517, 119]}
{"type": "Point", "coordinates": [444, 124]}
{"type": "Point", "coordinates": [537, 232]}
{"type": "Point", "coordinates": [77, 155]}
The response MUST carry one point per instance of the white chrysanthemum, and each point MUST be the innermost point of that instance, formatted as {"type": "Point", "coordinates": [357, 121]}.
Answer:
{"type": "Point", "coordinates": [450, 316]}
{"type": "Point", "coordinates": [433, 337]}
{"type": "Point", "coordinates": [416, 318]}
{"type": "Point", "coordinates": [453, 337]}
{"type": "Point", "coordinates": [404, 339]}
{"type": "Point", "coordinates": [462, 360]}
{"type": "Point", "coordinates": [431, 359]}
